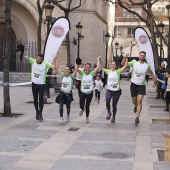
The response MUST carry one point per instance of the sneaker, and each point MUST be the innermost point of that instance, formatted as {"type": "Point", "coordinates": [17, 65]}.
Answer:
{"type": "Point", "coordinates": [87, 120]}
{"type": "Point", "coordinates": [135, 109]}
{"type": "Point", "coordinates": [167, 109]}
{"type": "Point", "coordinates": [137, 121]}
{"type": "Point", "coordinates": [113, 120]}
{"type": "Point", "coordinates": [68, 118]}
{"type": "Point", "coordinates": [60, 120]}
{"type": "Point", "coordinates": [108, 116]}
{"type": "Point", "coordinates": [81, 112]}
{"type": "Point", "coordinates": [40, 118]}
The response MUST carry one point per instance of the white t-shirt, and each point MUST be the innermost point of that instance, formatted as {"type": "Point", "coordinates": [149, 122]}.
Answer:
{"type": "Point", "coordinates": [98, 84]}
{"type": "Point", "coordinates": [38, 71]}
{"type": "Point", "coordinates": [87, 82]}
{"type": "Point", "coordinates": [67, 83]}
{"type": "Point", "coordinates": [139, 72]}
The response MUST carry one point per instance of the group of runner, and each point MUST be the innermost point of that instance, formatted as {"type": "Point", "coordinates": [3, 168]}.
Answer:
{"type": "Point", "coordinates": [85, 83]}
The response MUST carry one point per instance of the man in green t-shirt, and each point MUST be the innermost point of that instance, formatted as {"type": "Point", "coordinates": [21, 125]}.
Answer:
{"type": "Point", "coordinates": [138, 82]}
{"type": "Point", "coordinates": [39, 70]}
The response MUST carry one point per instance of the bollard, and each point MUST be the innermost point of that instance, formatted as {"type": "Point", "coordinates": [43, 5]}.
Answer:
{"type": "Point", "coordinates": [167, 148]}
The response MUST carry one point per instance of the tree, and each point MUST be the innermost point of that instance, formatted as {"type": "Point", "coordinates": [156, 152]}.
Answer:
{"type": "Point", "coordinates": [7, 105]}
{"type": "Point", "coordinates": [40, 11]}
{"type": "Point", "coordinates": [67, 11]}
{"type": "Point", "coordinates": [147, 17]}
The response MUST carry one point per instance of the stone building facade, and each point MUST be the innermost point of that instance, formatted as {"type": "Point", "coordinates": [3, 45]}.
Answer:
{"type": "Point", "coordinates": [95, 16]}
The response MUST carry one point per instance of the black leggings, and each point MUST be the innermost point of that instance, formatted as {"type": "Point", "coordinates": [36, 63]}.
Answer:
{"type": "Point", "coordinates": [167, 99]}
{"type": "Point", "coordinates": [38, 89]}
{"type": "Point", "coordinates": [86, 98]}
{"type": "Point", "coordinates": [97, 94]}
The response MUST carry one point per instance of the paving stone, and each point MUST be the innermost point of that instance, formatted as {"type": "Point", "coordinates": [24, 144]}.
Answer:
{"type": "Point", "coordinates": [161, 166]}
{"type": "Point", "coordinates": [109, 136]}
{"type": "Point", "coordinates": [7, 161]}
{"type": "Point", "coordinates": [72, 164]}
{"type": "Point", "coordinates": [99, 149]}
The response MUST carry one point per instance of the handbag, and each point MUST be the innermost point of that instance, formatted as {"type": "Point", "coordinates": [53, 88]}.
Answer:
{"type": "Point", "coordinates": [58, 98]}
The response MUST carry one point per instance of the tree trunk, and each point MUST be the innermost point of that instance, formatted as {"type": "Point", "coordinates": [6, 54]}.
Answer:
{"type": "Point", "coordinates": [39, 33]}
{"type": "Point", "coordinates": [68, 41]}
{"type": "Point", "coordinates": [7, 105]}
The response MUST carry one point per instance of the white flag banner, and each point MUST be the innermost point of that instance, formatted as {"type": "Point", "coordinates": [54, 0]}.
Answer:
{"type": "Point", "coordinates": [144, 42]}
{"type": "Point", "coordinates": [55, 37]}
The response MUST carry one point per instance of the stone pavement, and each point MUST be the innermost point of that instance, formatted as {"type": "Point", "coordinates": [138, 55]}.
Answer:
{"type": "Point", "coordinates": [26, 144]}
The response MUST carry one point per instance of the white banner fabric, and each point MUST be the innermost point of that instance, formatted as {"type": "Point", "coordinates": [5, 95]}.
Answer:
{"type": "Point", "coordinates": [55, 37]}
{"type": "Point", "coordinates": [144, 42]}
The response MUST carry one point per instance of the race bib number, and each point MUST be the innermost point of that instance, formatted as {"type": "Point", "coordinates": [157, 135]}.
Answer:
{"type": "Point", "coordinates": [114, 86]}
{"type": "Point", "coordinates": [37, 76]}
{"type": "Point", "coordinates": [87, 87]}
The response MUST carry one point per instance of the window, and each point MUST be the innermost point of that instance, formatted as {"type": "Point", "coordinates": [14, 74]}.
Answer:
{"type": "Point", "coordinates": [127, 14]}
{"type": "Point", "coordinates": [130, 32]}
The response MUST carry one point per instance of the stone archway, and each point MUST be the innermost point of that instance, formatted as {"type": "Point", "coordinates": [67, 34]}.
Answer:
{"type": "Point", "coordinates": [12, 61]}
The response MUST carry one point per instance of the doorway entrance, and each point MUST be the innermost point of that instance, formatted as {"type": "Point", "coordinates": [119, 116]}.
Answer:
{"type": "Point", "coordinates": [12, 61]}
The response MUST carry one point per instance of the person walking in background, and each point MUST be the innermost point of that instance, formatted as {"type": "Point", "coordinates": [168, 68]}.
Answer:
{"type": "Point", "coordinates": [167, 92]}
{"type": "Point", "coordinates": [138, 82]}
{"type": "Point", "coordinates": [159, 73]}
{"type": "Point", "coordinates": [98, 86]}
{"type": "Point", "coordinates": [163, 88]}
{"type": "Point", "coordinates": [78, 78]}
{"type": "Point", "coordinates": [66, 89]}
{"type": "Point", "coordinates": [87, 88]}
{"type": "Point", "coordinates": [113, 87]}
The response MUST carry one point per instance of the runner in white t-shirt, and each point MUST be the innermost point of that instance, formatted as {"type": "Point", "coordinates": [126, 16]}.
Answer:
{"type": "Point", "coordinates": [138, 89]}
{"type": "Point", "coordinates": [39, 70]}
{"type": "Point", "coordinates": [113, 87]}
{"type": "Point", "coordinates": [98, 86]}
{"type": "Point", "coordinates": [66, 89]}
{"type": "Point", "coordinates": [87, 88]}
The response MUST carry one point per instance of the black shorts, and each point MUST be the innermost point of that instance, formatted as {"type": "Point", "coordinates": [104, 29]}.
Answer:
{"type": "Point", "coordinates": [137, 89]}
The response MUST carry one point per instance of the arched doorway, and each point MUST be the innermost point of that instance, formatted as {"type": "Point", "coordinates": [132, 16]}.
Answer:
{"type": "Point", "coordinates": [12, 61]}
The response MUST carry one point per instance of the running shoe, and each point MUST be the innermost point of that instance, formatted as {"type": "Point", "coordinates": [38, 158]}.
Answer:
{"type": "Point", "coordinates": [87, 120]}
{"type": "Point", "coordinates": [108, 116]}
{"type": "Point", "coordinates": [81, 112]}
{"type": "Point", "coordinates": [135, 109]}
{"type": "Point", "coordinates": [113, 120]}
{"type": "Point", "coordinates": [137, 121]}
{"type": "Point", "coordinates": [60, 120]}
{"type": "Point", "coordinates": [167, 109]}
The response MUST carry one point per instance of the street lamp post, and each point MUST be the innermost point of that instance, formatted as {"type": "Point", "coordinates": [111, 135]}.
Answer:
{"type": "Point", "coordinates": [161, 30]}
{"type": "Point", "coordinates": [168, 15]}
{"type": "Point", "coordinates": [48, 12]}
{"type": "Point", "coordinates": [78, 31]}
{"type": "Point", "coordinates": [116, 46]}
{"type": "Point", "coordinates": [121, 55]}
{"type": "Point", "coordinates": [107, 36]}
